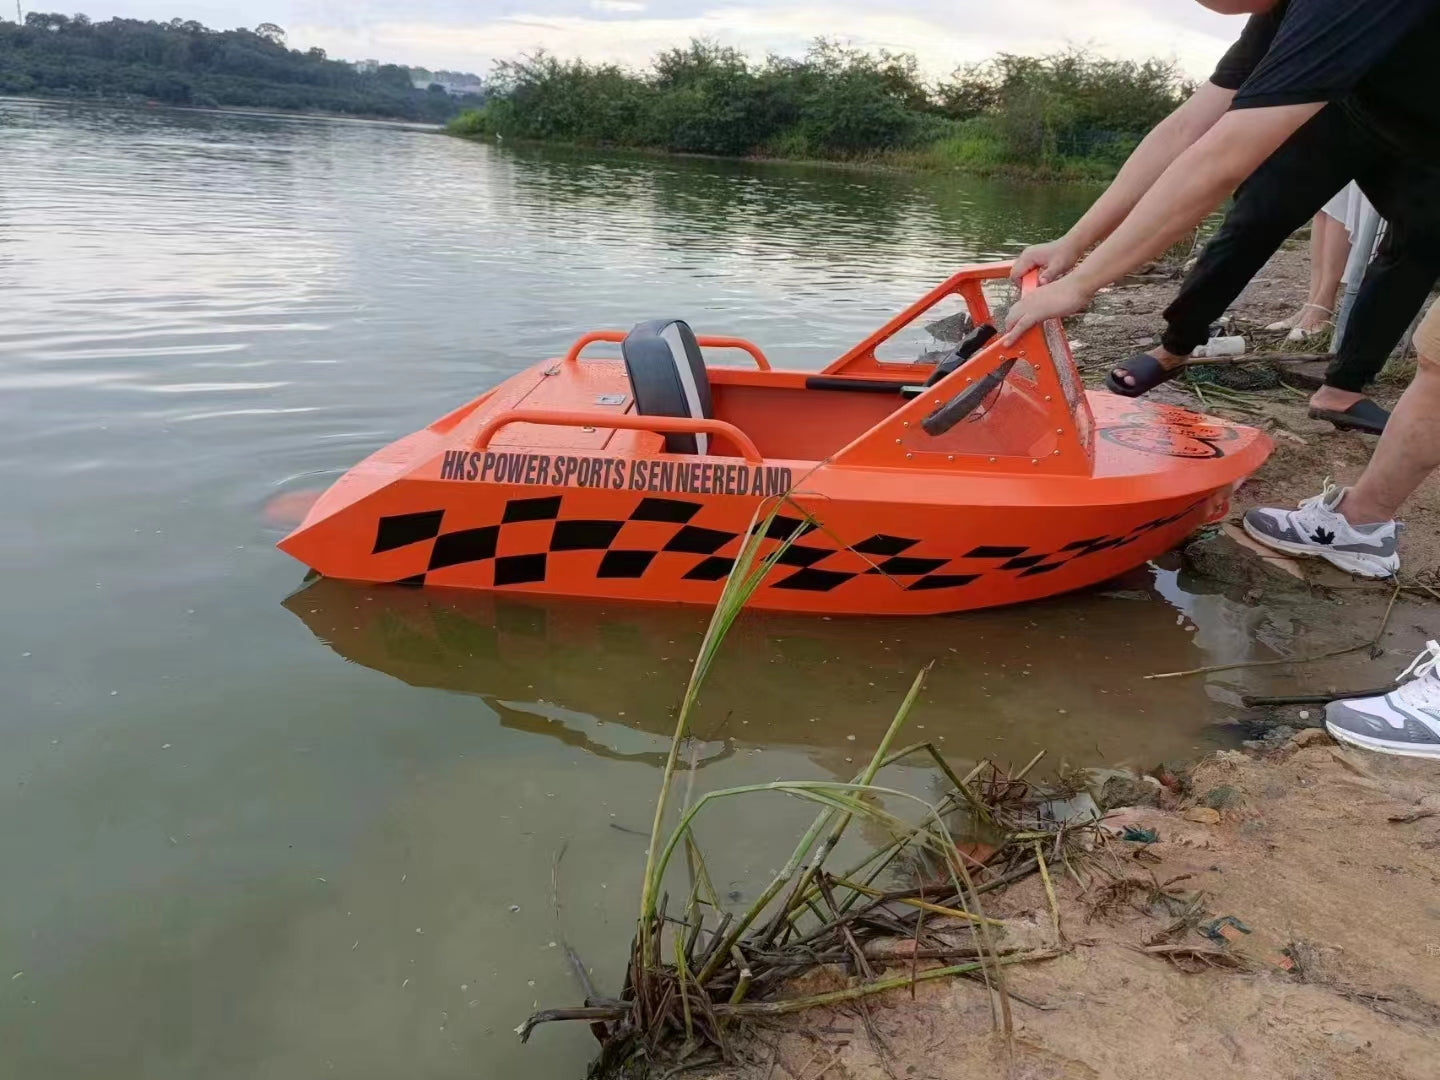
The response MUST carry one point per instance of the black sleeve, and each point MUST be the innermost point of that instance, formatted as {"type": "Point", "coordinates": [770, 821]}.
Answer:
{"type": "Point", "coordinates": [1324, 48]}
{"type": "Point", "coordinates": [1245, 55]}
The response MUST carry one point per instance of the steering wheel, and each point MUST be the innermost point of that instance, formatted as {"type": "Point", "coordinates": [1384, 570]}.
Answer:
{"type": "Point", "coordinates": [972, 343]}
{"type": "Point", "coordinates": [972, 397]}
{"type": "Point", "coordinates": [966, 402]}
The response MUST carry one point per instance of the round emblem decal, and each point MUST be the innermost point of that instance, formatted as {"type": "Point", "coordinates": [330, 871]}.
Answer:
{"type": "Point", "coordinates": [1170, 433]}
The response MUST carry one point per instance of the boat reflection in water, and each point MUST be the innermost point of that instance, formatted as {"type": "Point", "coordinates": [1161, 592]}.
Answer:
{"type": "Point", "coordinates": [1062, 675]}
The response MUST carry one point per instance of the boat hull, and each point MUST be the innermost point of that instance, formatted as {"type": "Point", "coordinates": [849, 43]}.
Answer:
{"type": "Point", "coordinates": [551, 484]}
{"type": "Point", "coordinates": [911, 553]}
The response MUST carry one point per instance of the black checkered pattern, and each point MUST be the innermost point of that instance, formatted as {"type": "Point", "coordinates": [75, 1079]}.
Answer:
{"type": "Point", "coordinates": [1025, 562]}
{"type": "Point", "coordinates": [619, 561]}
{"type": "Point", "coordinates": [886, 555]}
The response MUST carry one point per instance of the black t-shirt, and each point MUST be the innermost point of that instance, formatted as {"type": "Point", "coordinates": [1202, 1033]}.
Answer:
{"type": "Point", "coordinates": [1379, 58]}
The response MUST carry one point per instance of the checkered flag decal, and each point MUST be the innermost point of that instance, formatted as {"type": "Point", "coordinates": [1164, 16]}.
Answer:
{"type": "Point", "coordinates": [660, 531]}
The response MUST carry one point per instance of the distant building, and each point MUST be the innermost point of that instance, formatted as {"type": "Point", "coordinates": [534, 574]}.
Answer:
{"type": "Point", "coordinates": [456, 83]}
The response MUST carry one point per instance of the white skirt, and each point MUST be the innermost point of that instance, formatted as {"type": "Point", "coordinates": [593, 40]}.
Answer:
{"type": "Point", "coordinates": [1348, 206]}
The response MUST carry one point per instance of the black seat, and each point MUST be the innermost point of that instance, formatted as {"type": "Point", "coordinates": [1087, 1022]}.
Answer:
{"type": "Point", "coordinates": [667, 378]}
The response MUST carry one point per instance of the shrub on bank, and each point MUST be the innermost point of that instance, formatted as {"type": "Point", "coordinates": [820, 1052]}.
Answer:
{"type": "Point", "coordinates": [1069, 113]}
{"type": "Point", "coordinates": [185, 63]}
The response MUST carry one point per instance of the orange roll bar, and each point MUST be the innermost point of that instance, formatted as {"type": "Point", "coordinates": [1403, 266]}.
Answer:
{"type": "Point", "coordinates": [707, 341]}
{"type": "Point", "coordinates": [713, 341]}
{"type": "Point", "coordinates": [659, 424]}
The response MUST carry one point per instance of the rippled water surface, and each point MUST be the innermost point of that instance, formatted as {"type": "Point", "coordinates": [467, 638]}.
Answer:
{"type": "Point", "coordinates": [251, 831]}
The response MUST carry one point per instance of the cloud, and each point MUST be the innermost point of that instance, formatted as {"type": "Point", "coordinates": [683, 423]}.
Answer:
{"type": "Point", "coordinates": [942, 33]}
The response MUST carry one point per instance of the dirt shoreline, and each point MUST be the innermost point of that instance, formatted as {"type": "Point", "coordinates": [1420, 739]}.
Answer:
{"type": "Point", "coordinates": [1328, 858]}
{"type": "Point", "coordinates": [1335, 974]}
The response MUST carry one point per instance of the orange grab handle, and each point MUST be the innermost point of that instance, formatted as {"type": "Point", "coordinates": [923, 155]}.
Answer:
{"type": "Point", "coordinates": [593, 336]}
{"type": "Point", "coordinates": [661, 424]}
{"type": "Point", "coordinates": [1029, 282]}
{"type": "Point", "coordinates": [706, 341]}
{"type": "Point", "coordinates": [710, 341]}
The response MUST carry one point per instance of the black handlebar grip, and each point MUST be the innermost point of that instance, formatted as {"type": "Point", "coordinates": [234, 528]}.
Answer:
{"type": "Point", "coordinates": [966, 402]}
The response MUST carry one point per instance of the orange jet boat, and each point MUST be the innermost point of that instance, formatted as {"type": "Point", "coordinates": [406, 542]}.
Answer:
{"type": "Point", "coordinates": [965, 478]}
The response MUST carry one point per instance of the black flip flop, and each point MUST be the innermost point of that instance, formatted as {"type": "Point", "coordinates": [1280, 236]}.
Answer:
{"type": "Point", "coordinates": [1364, 416]}
{"type": "Point", "coordinates": [1147, 372]}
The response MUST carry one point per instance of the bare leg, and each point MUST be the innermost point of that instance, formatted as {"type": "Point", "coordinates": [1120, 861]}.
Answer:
{"type": "Point", "coordinates": [1355, 528]}
{"type": "Point", "coordinates": [1408, 452]}
{"type": "Point", "coordinates": [1329, 254]}
{"type": "Point", "coordinates": [1320, 236]}
{"type": "Point", "coordinates": [1320, 242]}
{"type": "Point", "coordinates": [1325, 231]}
{"type": "Point", "coordinates": [1326, 269]}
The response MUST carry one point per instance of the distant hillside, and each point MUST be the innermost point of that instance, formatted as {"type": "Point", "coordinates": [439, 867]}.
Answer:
{"type": "Point", "coordinates": [185, 63]}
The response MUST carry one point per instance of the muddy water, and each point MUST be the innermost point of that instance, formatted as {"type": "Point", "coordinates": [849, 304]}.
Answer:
{"type": "Point", "coordinates": [251, 831]}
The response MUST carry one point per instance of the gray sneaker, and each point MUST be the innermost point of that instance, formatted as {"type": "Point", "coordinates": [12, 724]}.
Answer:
{"type": "Point", "coordinates": [1318, 529]}
{"type": "Point", "coordinates": [1405, 722]}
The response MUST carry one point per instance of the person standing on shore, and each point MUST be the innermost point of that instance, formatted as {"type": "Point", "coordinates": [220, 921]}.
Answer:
{"type": "Point", "coordinates": [1288, 188]}
{"type": "Point", "coordinates": [1323, 74]}
{"type": "Point", "coordinates": [1355, 529]}
{"type": "Point", "coordinates": [1331, 233]}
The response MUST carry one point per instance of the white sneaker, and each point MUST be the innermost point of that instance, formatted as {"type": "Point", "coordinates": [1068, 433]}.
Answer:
{"type": "Point", "coordinates": [1405, 722]}
{"type": "Point", "coordinates": [1318, 529]}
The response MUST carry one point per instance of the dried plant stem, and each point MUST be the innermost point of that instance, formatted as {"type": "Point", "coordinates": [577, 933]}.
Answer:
{"type": "Point", "coordinates": [922, 905]}
{"type": "Point", "coordinates": [855, 993]}
{"type": "Point", "coordinates": [684, 995]}
{"type": "Point", "coordinates": [1373, 644]}
{"type": "Point", "coordinates": [742, 987]}
{"type": "Point", "coordinates": [1049, 892]}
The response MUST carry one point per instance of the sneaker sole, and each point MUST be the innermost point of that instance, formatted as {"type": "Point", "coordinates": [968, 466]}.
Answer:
{"type": "Point", "coordinates": [1380, 746]}
{"type": "Point", "coordinates": [1360, 565]}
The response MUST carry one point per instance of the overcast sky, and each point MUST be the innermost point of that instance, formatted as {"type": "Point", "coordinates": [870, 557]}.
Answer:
{"type": "Point", "coordinates": [471, 34]}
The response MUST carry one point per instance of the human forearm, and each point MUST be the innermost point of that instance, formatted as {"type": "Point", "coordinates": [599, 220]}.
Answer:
{"type": "Point", "coordinates": [1156, 153]}
{"type": "Point", "coordinates": [1193, 186]}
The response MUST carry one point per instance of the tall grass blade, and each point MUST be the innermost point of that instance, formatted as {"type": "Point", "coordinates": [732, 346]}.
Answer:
{"type": "Point", "coordinates": [866, 777]}
{"type": "Point", "coordinates": [835, 796]}
{"type": "Point", "coordinates": [746, 576]}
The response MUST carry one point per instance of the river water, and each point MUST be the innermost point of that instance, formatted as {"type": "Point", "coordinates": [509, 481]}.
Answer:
{"type": "Point", "coordinates": [251, 830]}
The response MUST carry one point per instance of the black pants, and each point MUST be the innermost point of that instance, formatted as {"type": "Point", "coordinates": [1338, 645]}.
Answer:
{"type": "Point", "coordinates": [1288, 190]}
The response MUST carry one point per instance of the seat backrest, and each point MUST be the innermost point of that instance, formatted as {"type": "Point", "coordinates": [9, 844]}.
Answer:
{"type": "Point", "coordinates": [667, 378]}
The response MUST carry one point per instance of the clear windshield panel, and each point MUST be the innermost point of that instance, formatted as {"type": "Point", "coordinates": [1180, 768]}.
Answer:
{"type": "Point", "coordinates": [1011, 421]}
{"type": "Point", "coordinates": [931, 337]}
{"type": "Point", "coordinates": [1070, 383]}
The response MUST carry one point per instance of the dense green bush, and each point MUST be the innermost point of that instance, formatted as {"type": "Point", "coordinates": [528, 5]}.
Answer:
{"type": "Point", "coordinates": [1068, 105]}
{"type": "Point", "coordinates": [1064, 113]}
{"type": "Point", "coordinates": [185, 63]}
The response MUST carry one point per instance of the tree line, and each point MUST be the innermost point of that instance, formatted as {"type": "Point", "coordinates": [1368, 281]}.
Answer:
{"type": "Point", "coordinates": [1067, 113]}
{"type": "Point", "coordinates": [184, 63]}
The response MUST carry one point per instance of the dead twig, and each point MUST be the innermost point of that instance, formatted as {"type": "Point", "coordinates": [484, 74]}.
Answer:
{"type": "Point", "coordinates": [1050, 893]}
{"type": "Point", "coordinates": [617, 1011]}
{"type": "Point", "coordinates": [834, 1058]}
{"type": "Point", "coordinates": [1194, 959]}
{"type": "Point", "coordinates": [1373, 644]}
{"type": "Point", "coordinates": [1375, 650]}
{"type": "Point", "coordinates": [1217, 668]}
{"type": "Point", "coordinates": [855, 993]}
{"type": "Point", "coordinates": [1257, 702]}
